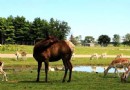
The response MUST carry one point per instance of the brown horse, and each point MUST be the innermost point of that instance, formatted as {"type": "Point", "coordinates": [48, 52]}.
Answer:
{"type": "Point", "coordinates": [52, 49]}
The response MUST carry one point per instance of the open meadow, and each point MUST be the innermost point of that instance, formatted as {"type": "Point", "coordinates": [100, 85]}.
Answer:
{"type": "Point", "coordinates": [80, 81]}
{"type": "Point", "coordinates": [22, 73]}
{"type": "Point", "coordinates": [110, 50]}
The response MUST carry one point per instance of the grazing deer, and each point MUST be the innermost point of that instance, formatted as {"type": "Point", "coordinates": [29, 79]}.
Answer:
{"type": "Point", "coordinates": [17, 55]}
{"type": "Point", "coordinates": [103, 55]}
{"type": "Point", "coordinates": [3, 72]}
{"type": "Point", "coordinates": [118, 63]}
{"type": "Point", "coordinates": [125, 75]}
{"type": "Point", "coordinates": [119, 56]}
{"type": "Point", "coordinates": [49, 50]}
{"type": "Point", "coordinates": [21, 55]}
{"type": "Point", "coordinates": [95, 55]}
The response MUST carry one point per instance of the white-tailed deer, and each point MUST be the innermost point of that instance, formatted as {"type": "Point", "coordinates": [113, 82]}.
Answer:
{"type": "Point", "coordinates": [2, 71]}
{"type": "Point", "coordinates": [118, 63]}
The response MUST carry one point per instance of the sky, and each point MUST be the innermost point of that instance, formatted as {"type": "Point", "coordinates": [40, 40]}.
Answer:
{"type": "Point", "coordinates": [85, 17]}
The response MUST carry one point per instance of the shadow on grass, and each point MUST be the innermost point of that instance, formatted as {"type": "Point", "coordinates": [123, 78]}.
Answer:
{"type": "Point", "coordinates": [54, 81]}
{"type": "Point", "coordinates": [31, 82]}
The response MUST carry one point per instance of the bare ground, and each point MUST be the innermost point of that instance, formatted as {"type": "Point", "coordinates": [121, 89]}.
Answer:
{"type": "Point", "coordinates": [77, 56]}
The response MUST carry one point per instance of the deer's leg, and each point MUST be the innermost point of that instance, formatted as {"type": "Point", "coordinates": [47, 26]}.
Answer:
{"type": "Point", "coordinates": [116, 71]}
{"type": "Point", "coordinates": [4, 75]}
{"type": "Point", "coordinates": [38, 70]}
{"type": "Point", "coordinates": [106, 71]}
{"type": "Point", "coordinates": [125, 68]}
{"type": "Point", "coordinates": [46, 70]}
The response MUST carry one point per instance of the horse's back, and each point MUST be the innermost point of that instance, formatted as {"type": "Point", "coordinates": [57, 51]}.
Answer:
{"type": "Point", "coordinates": [56, 51]}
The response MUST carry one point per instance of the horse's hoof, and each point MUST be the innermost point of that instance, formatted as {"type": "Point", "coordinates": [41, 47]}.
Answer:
{"type": "Point", "coordinates": [68, 81]}
{"type": "Point", "coordinates": [37, 80]}
{"type": "Point", "coordinates": [63, 81]}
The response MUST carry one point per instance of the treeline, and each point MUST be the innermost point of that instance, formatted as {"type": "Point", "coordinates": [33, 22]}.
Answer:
{"type": "Point", "coordinates": [18, 30]}
{"type": "Point", "coordinates": [103, 40]}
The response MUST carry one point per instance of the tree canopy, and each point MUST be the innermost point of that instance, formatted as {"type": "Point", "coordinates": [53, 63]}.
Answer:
{"type": "Point", "coordinates": [104, 40]}
{"type": "Point", "coordinates": [116, 40]}
{"type": "Point", "coordinates": [21, 31]}
{"type": "Point", "coordinates": [126, 39]}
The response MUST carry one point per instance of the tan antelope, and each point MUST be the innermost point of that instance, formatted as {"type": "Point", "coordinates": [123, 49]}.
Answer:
{"type": "Point", "coordinates": [118, 63]}
{"type": "Point", "coordinates": [3, 72]}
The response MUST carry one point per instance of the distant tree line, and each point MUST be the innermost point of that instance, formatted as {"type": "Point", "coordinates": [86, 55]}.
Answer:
{"type": "Point", "coordinates": [103, 40]}
{"type": "Point", "coordinates": [18, 30]}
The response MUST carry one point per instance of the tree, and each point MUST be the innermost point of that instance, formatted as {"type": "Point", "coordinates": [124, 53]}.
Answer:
{"type": "Point", "coordinates": [20, 29]}
{"type": "Point", "coordinates": [9, 31]}
{"type": "Point", "coordinates": [2, 30]}
{"type": "Point", "coordinates": [104, 40]}
{"type": "Point", "coordinates": [78, 39]}
{"type": "Point", "coordinates": [38, 28]}
{"type": "Point", "coordinates": [59, 29]}
{"type": "Point", "coordinates": [126, 39]}
{"type": "Point", "coordinates": [116, 40]}
{"type": "Point", "coordinates": [89, 39]}
{"type": "Point", "coordinates": [73, 40]}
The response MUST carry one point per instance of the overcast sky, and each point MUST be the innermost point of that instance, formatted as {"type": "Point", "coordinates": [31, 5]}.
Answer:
{"type": "Point", "coordinates": [85, 17]}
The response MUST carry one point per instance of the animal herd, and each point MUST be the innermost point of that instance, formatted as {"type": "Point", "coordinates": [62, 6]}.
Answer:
{"type": "Point", "coordinates": [52, 49]}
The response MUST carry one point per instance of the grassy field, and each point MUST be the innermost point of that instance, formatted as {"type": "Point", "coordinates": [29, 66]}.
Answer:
{"type": "Point", "coordinates": [78, 49]}
{"type": "Point", "coordinates": [80, 81]}
{"type": "Point", "coordinates": [22, 74]}
{"type": "Point", "coordinates": [30, 62]}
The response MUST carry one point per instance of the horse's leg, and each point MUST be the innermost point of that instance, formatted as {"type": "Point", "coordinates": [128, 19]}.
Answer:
{"type": "Point", "coordinates": [70, 69]}
{"type": "Point", "coordinates": [66, 70]}
{"type": "Point", "coordinates": [38, 70]}
{"type": "Point", "coordinates": [46, 70]}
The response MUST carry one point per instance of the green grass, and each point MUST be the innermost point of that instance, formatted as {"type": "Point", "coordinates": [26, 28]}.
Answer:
{"type": "Point", "coordinates": [13, 48]}
{"type": "Point", "coordinates": [78, 49]}
{"type": "Point", "coordinates": [31, 62]}
{"type": "Point", "coordinates": [109, 50]}
{"type": "Point", "coordinates": [80, 81]}
{"type": "Point", "coordinates": [23, 75]}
